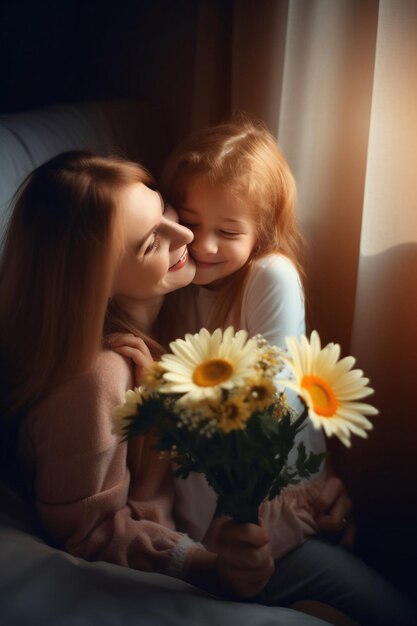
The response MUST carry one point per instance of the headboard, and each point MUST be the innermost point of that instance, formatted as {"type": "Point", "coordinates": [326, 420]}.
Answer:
{"type": "Point", "coordinates": [125, 127]}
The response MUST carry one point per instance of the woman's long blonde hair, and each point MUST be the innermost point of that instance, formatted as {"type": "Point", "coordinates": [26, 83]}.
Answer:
{"type": "Point", "coordinates": [243, 158]}
{"type": "Point", "coordinates": [56, 272]}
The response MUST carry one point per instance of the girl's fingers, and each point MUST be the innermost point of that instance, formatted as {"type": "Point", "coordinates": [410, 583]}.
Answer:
{"type": "Point", "coordinates": [139, 358]}
{"type": "Point", "coordinates": [133, 348]}
{"type": "Point", "coordinates": [115, 340]}
{"type": "Point", "coordinates": [336, 520]}
{"type": "Point", "coordinates": [130, 346]}
{"type": "Point", "coordinates": [333, 507]}
{"type": "Point", "coordinates": [332, 490]}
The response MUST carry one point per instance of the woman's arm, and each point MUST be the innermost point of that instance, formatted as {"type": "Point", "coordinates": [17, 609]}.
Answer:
{"type": "Point", "coordinates": [87, 499]}
{"type": "Point", "coordinates": [242, 565]}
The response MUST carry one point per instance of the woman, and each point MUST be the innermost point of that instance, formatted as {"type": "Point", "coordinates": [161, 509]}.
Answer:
{"type": "Point", "coordinates": [90, 249]}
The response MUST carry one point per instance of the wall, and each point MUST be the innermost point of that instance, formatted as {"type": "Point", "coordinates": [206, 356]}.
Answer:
{"type": "Point", "coordinates": [70, 50]}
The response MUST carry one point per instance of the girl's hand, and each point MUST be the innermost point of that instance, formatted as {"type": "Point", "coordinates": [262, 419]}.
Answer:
{"type": "Point", "coordinates": [244, 562]}
{"type": "Point", "coordinates": [333, 512]}
{"type": "Point", "coordinates": [133, 348]}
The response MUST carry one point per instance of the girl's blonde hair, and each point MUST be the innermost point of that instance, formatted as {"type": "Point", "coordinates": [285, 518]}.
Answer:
{"type": "Point", "coordinates": [56, 272]}
{"type": "Point", "coordinates": [243, 158]}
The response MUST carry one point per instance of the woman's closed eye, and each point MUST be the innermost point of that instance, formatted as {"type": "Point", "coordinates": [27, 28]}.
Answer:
{"type": "Point", "coordinates": [154, 244]}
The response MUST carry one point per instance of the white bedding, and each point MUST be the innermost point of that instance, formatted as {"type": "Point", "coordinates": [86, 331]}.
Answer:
{"type": "Point", "coordinates": [42, 586]}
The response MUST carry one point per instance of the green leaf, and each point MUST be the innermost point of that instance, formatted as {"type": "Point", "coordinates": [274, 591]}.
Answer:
{"type": "Point", "coordinates": [307, 465]}
{"type": "Point", "coordinates": [145, 418]}
{"type": "Point", "coordinates": [244, 467]}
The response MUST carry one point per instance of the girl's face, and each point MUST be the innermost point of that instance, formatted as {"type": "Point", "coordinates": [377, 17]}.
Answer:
{"type": "Point", "coordinates": [224, 231]}
{"type": "Point", "coordinates": [155, 259]}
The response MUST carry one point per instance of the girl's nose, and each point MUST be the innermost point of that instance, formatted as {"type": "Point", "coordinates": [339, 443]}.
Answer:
{"type": "Point", "coordinates": [204, 243]}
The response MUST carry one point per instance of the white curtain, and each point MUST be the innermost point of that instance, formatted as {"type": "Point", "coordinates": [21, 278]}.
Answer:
{"type": "Point", "coordinates": [336, 82]}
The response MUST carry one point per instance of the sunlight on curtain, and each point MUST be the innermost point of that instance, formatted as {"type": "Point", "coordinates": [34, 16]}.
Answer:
{"type": "Point", "coordinates": [336, 82]}
{"type": "Point", "coordinates": [384, 334]}
{"type": "Point", "coordinates": [323, 130]}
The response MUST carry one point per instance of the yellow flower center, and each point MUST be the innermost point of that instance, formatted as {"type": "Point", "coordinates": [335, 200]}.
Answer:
{"type": "Point", "coordinates": [324, 400]}
{"type": "Point", "coordinates": [232, 415]}
{"type": "Point", "coordinates": [258, 392]}
{"type": "Point", "coordinates": [212, 372]}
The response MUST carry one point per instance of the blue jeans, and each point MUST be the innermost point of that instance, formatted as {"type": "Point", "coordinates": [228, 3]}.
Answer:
{"type": "Point", "coordinates": [328, 573]}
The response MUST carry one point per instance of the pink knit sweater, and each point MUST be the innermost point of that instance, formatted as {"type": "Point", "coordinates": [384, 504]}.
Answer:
{"type": "Point", "coordinates": [96, 497]}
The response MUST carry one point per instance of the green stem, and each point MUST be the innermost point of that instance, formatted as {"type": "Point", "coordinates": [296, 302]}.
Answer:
{"type": "Point", "coordinates": [216, 486]}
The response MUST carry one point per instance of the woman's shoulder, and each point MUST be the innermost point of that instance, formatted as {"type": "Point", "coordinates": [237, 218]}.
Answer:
{"type": "Point", "coordinates": [83, 403]}
{"type": "Point", "coordinates": [110, 370]}
{"type": "Point", "coordinates": [109, 373]}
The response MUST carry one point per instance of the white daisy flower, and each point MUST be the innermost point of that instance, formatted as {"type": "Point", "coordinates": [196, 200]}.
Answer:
{"type": "Point", "coordinates": [121, 414]}
{"type": "Point", "coordinates": [203, 364]}
{"type": "Point", "coordinates": [329, 387]}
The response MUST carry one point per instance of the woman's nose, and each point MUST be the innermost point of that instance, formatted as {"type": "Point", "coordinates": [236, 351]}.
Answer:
{"type": "Point", "coordinates": [179, 234]}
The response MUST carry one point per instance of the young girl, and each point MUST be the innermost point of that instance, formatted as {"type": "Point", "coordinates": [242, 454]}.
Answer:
{"type": "Point", "coordinates": [90, 249]}
{"type": "Point", "coordinates": [233, 188]}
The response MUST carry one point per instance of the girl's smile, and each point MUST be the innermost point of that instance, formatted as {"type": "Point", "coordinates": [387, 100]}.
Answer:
{"type": "Point", "coordinates": [205, 264]}
{"type": "Point", "coordinates": [224, 231]}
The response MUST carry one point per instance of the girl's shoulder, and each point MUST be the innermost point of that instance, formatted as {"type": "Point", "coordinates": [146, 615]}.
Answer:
{"type": "Point", "coordinates": [273, 301]}
{"type": "Point", "coordinates": [274, 263]}
{"type": "Point", "coordinates": [274, 271]}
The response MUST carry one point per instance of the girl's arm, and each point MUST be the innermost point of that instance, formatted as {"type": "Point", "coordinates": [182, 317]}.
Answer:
{"type": "Point", "coordinates": [274, 306]}
{"type": "Point", "coordinates": [273, 303]}
{"type": "Point", "coordinates": [333, 512]}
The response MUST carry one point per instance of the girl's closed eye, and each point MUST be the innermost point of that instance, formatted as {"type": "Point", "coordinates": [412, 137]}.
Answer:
{"type": "Point", "coordinates": [189, 225]}
{"type": "Point", "coordinates": [229, 233]}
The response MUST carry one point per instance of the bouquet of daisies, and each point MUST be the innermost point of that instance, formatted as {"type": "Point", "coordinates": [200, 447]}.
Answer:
{"type": "Point", "coordinates": [215, 409]}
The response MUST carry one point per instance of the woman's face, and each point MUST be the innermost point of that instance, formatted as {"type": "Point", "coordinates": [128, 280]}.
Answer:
{"type": "Point", "coordinates": [155, 258]}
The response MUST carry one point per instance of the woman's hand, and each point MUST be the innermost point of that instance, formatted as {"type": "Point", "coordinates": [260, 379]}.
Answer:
{"type": "Point", "coordinates": [244, 561]}
{"type": "Point", "coordinates": [333, 512]}
{"type": "Point", "coordinates": [242, 566]}
{"type": "Point", "coordinates": [133, 348]}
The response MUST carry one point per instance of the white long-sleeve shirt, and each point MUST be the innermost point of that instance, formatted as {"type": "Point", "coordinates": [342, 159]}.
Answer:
{"type": "Point", "coordinates": [272, 305]}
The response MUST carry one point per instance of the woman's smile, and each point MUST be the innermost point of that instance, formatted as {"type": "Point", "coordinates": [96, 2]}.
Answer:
{"type": "Point", "coordinates": [182, 261]}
